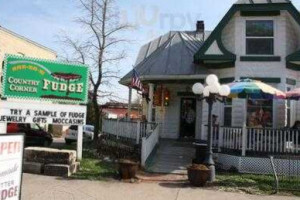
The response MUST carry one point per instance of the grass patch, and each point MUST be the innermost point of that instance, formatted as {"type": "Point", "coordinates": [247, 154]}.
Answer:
{"type": "Point", "coordinates": [92, 167]}
{"type": "Point", "coordinates": [95, 169]}
{"type": "Point", "coordinates": [252, 184]}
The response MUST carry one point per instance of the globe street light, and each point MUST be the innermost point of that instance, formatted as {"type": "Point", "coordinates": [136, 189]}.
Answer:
{"type": "Point", "coordinates": [212, 92]}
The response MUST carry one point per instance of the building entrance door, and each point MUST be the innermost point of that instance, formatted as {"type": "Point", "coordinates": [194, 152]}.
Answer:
{"type": "Point", "coordinates": [187, 118]}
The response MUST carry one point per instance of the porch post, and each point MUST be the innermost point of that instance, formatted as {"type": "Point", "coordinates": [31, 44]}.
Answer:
{"type": "Point", "coordinates": [220, 141]}
{"type": "Point", "coordinates": [129, 103]}
{"type": "Point", "coordinates": [150, 104]}
{"type": "Point", "coordinates": [244, 139]}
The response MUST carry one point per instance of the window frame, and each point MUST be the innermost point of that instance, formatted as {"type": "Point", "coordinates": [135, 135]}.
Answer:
{"type": "Point", "coordinates": [260, 37]}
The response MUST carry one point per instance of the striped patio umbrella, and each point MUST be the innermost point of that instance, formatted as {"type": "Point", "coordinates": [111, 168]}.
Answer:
{"type": "Point", "coordinates": [293, 94]}
{"type": "Point", "coordinates": [254, 89]}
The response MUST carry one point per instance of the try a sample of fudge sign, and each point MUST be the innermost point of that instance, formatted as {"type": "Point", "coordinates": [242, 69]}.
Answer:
{"type": "Point", "coordinates": [36, 79]}
{"type": "Point", "coordinates": [17, 112]}
{"type": "Point", "coordinates": [11, 157]}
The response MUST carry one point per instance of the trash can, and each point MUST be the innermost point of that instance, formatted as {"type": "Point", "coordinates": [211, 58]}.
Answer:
{"type": "Point", "coordinates": [201, 149]}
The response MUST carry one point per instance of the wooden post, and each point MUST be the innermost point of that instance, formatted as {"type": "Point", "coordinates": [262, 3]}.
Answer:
{"type": "Point", "coordinates": [129, 103]}
{"type": "Point", "coordinates": [138, 131]}
{"type": "Point", "coordinates": [244, 140]}
{"type": "Point", "coordinates": [3, 127]}
{"type": "Point", "coordinates": [79, 142]}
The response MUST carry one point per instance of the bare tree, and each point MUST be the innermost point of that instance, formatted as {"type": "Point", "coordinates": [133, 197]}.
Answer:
{"type": "Point", "coordinates": [99, 48]}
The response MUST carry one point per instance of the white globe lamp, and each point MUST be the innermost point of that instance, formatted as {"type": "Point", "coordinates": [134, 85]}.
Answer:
{"type": "Point", "coordinates": [215, 88]}
{"type": "Point", "coordinates": [224, 90]}
{"type": "Point", "coordinates": [198, 88]}
{"type": "Point", "coordinates": [211, 79]}
{"type": "Point", "coordinates": [206, 91]}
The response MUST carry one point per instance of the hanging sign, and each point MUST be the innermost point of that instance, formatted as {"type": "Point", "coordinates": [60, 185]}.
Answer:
{"type": "Point", "coordinates": [19, 112]}
{"type": "Point", "coordinates": [11, 158]}
{"type": "Point", "coordinates": [36, 79]}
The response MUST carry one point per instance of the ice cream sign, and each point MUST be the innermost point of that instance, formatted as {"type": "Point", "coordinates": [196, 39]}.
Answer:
{"type": "Point", "coordinates": [11, 158]}
{"type": "Point", "coordinates": [36, 79]}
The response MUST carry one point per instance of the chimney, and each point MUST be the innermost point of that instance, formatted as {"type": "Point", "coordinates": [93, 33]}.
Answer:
{"type": "Point", "coordinates": [200, 27]}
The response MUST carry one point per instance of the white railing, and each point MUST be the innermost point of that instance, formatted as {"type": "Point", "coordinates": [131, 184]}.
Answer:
{"type": "Point", "coordinates": [134, 130]}
{"type": "Point", "coordinates": [148, 145]}
{"type": "Point", "coordinates": [273, 140]}
{"type": "Point", "coordinates": [125, 129]}
{"type": "Point", "coordinates": [257, 140]}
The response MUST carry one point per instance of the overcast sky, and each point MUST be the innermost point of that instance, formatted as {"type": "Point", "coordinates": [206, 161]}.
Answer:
{"type": "Point", "coordinates": [43, 20]}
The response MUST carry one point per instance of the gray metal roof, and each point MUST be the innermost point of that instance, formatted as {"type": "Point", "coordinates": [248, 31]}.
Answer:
{"type": "Point", "coordinates": [168, 55]}
{"type": "Point", "coordinates": [261, 1]}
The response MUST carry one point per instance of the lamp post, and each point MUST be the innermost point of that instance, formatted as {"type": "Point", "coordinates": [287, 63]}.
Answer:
{"type": "Point", "coordinates": [211, 93]}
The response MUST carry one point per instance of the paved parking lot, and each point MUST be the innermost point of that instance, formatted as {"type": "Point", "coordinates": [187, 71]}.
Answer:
{"type": "Point", "coordinates": [36, 187]}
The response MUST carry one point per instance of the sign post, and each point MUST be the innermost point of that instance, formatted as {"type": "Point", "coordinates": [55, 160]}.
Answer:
{"type": "Point", "coordinates": [11, 158]}
{"type": "Point", "coordinates": [79, 142]}
{"type": "Point", "coordinates": [3, 128]}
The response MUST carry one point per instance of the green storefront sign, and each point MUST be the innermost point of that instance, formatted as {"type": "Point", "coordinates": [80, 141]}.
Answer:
{"type": "Point", "coordinates": [36, 79]}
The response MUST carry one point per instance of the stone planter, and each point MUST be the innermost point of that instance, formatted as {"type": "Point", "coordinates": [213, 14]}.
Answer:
{"type": "Point", "coordinates": [198, 175]}
{"type": "Point", "coordinates": [127, 169]}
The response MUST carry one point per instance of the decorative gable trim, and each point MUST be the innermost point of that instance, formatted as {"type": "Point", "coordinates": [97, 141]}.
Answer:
{"type": "Point", "coordinates": [200, 56]}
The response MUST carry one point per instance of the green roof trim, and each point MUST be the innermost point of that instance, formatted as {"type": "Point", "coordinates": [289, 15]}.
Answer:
{"type": "Point", "coordinates": [260, 13]}
{"type": "Point", "coordinates": [292, 66]}
{"type": "Point", "coordinates": [264, 79]}
{"type": "Point", "coordinates": [200, 56]}
{"type": "Point", "coordinates": [260, 58]}
{"type": "Point", "coordinates": [290, 81]}
{"type": "Point", "coordinates": [294, 56]}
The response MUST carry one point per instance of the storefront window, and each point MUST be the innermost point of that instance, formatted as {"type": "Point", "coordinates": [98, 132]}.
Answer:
{"type": "Point", "coordinates": [260, 113]}
{"type": "Point", "coordinates": [227, 112]}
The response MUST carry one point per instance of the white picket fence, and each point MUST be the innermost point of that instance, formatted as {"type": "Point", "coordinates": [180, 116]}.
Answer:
{"type": "Point", "coordinates": [144, 133]}
{"type": "Point", "coordinates": [125, 129]}
{"type": "Point", "coordinates": [258, 140]}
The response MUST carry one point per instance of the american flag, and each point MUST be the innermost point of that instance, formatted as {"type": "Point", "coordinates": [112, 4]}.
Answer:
{"type": "Point", "coordinates": [136, 82]}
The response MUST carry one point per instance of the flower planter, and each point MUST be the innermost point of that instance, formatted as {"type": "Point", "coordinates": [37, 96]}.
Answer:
{"type": "Point", "coordinates": [127, 169]}
{"type": "Point", "coordinates": [198, 175]}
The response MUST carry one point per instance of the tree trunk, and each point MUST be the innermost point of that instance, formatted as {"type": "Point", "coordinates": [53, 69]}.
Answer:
{"type": "Point", "coordinates": [97, 117]}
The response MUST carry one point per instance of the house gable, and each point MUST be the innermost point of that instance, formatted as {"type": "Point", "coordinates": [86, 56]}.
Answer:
{"type": "Point", "coordinates": [245, 8]}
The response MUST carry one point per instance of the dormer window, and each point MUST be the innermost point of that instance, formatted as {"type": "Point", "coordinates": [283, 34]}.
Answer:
{"type": "Point", "coordinates": [259, 37]}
